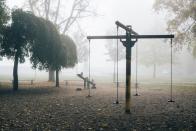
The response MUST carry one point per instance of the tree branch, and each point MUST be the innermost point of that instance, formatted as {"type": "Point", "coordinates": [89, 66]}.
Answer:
{"type": "Point", "coordinates": [57, 12]}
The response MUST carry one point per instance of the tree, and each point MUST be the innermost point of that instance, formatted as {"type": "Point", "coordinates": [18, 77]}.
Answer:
{"type": "Point", "coordinates": [182, 20]}
{"type": "Point", "coordinates": [111, 47]}
{"type": "Point", "coordinates": [82, 51]}
{"type": "Point", "coordinates": [67, 56]}
{"type": "Point", "coordinates": [17, 40]}
{"type": "Point", "coordinates": [62, 17]}
{"type": "Point", "coordinates": [4, 17]}
{"type": "Point", "coordinates": [155, 53]}
{"type": "Point", "coordinates": [71, 51]}
{"type": "Point", "coordinates": [48, 53]}
{"type": "Point", "coordinates": [53, 51]}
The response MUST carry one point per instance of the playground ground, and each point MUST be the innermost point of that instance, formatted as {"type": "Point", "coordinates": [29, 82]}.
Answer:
{"type": "Point", "coordinates": [45, 107]}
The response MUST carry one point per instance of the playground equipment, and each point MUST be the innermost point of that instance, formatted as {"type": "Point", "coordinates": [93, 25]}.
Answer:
{"type": "Point", "coordinates": [129, 40]}
{"type": "Point", "coordinates": [87, 82]}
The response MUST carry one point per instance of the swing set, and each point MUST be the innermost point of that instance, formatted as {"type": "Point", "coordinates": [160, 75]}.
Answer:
{"type": "Point", "coordinates": [128, 40]}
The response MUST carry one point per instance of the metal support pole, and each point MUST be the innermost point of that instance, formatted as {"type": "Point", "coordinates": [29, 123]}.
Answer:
{"type": "Point", "coordinates": [128, 73]}
{"type": "Point", "coordinates": [171, 86]}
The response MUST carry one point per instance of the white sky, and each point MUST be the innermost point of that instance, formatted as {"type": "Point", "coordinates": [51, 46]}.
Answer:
{"type": "Point", "coordinates": [138, 13]}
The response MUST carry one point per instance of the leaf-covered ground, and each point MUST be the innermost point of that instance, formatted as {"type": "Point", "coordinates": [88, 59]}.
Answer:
{"type": "Point", "coordinates": [50, 108]}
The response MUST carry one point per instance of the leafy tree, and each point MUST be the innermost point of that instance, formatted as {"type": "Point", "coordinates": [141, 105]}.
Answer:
{"type": "Point", "coordinates": [56, 53]}
{"type": "Point", "coordinates": [17, 40]}
{"type": "Point", "coordinates": [67, 56]}
{"type": "Point", "coordinates": [4, 17]}
{"type": "Point", "coordinates": [48, 53]}
{"type": "Point", "coordinates": [38, 38]}
{"type": "Point", "coordinates": [57, 12]}
{"type": "Point", "coordinates": [182, 20]}
{"type": "Point", "coordinates": [71, 51]}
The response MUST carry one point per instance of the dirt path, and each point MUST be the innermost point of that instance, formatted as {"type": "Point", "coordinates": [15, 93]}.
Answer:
{"type": "Point", "coordinates": [50, 108]}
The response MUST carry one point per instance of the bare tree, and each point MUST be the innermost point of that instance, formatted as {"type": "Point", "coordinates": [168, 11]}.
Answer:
{"type": "Point", "coordinates": [61, 14]}
{"type": "Point", "coordinates": [82, 50]}
{"type": "Point", "coordinates": [111, 47]}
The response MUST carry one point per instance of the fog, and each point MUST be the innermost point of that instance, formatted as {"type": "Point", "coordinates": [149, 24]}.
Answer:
{"type": "Point", "coordinates": [144, 20]}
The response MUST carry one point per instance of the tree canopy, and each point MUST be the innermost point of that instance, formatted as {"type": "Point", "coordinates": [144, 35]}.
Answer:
{"type": "Point", "coordinates": [17, 37]}
{"type": "Point", "coordinates": [71, 51]}
{"type": "Point", "coordinates": [4, 17]}
{"type": "Point", "coordinates": [17, 40]}
{"type": "Point", "coordinates": [81, 42]}
{"type": "Point", "coordinates": [64, 18]}
{"type": "Point", "coordinates": [39, 39]}
{"type": "Point", "coordinates": [181, 20]}
{"type": "Point", "coordinates": [3, 13]}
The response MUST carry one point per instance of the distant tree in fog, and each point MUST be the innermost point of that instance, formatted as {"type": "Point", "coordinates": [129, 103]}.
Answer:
{"type": "Point", "coordinates": [111, 47]}
{"type": "Point", "coordinates": [81, 42]}
{"type": "Point", "coordinates": [155, 54]}
{"type": "Point", "coordinates": [53, 51]}
{"type": "Point", "coordinates": [71, 51]}
{"type": "Point", "coordinates": [181, 21]}
{"type": "Point", "coordinates": [64, 14]}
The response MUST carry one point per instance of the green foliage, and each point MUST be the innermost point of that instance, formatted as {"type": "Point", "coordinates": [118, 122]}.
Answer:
{"type": "Point", "coordinates": [3, 13]}
{"type": "Point", "coordinates": [46, 49]}
{"type": "Point", "coordinates": [17, 40]}
{"type": "Point", "coordinates": [4, 17]}
{"type": "Point", "coordinates": [52, 50]}
{"type": "Point", "coordinates": [182, 19]}
{"type": "Point", "coordinates": [16, 37]}
{"type": "Point", "coordinates": [71, 51]}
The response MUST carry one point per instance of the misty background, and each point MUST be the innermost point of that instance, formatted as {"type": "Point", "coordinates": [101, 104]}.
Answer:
{"type": "Point", "coordinates": [144, 20]}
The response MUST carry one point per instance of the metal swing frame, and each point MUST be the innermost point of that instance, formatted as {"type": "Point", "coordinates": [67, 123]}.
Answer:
{"type": "Point", "coordinates": [129, 40]}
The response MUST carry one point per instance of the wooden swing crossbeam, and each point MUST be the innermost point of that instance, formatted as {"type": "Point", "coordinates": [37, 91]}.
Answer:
{"type": "Point", "coordinates": [132, 36]}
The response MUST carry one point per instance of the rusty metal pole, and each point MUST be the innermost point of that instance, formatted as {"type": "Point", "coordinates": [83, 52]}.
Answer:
{"type": "Point", "coordinates": [128, 73]}
{"type": "Point", "coordinates": [129, 43]}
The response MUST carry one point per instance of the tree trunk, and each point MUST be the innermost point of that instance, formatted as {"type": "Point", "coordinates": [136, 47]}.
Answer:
{"type": "Point", "coordinates": [15, 73]}
{"type": "Point", "coordinates": [57, 78]}
{"type": "Point", "coordinates": [51, 75]}
{"type": "Point", "coordinates": [154, 71]}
